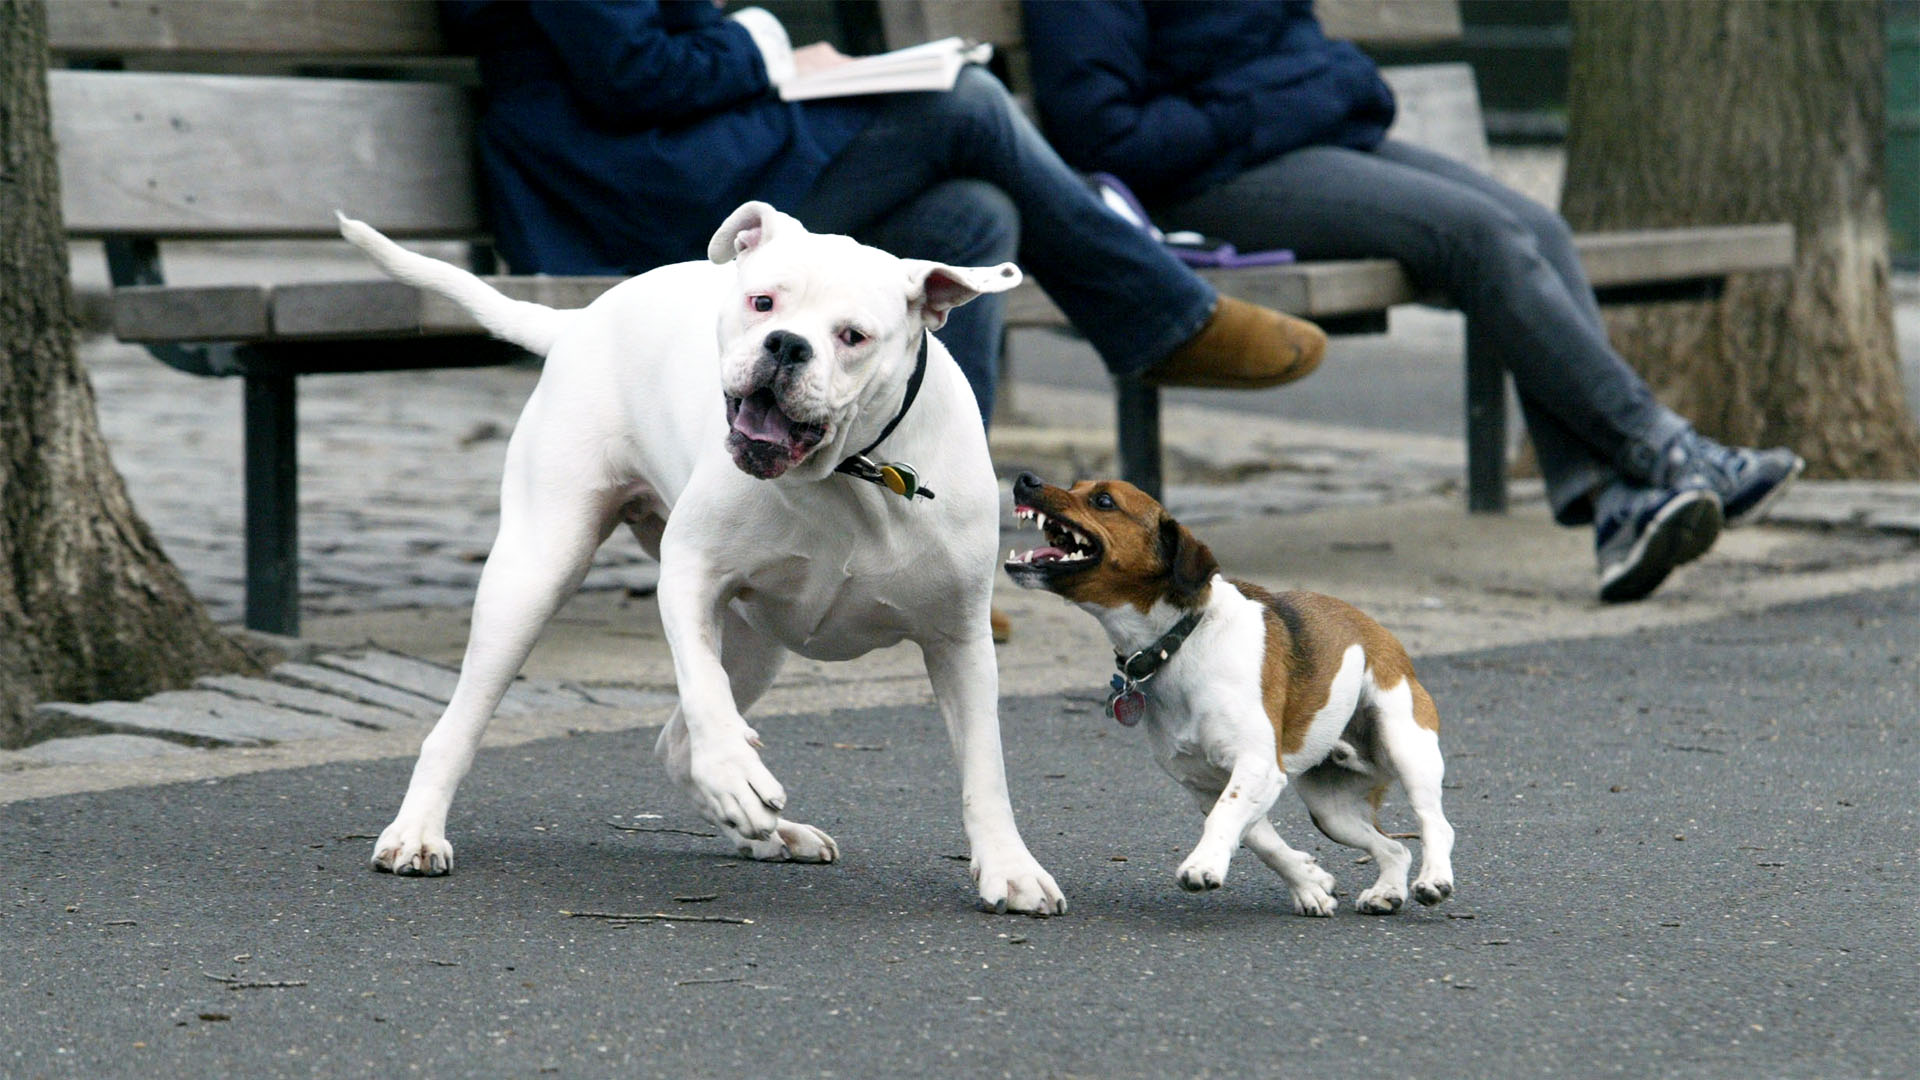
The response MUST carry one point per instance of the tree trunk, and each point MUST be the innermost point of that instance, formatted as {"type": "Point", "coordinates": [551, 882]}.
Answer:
{"type": "Point", "coordinates": [1717, 112]}
{"type": "Point", "coordinates": [89, 605]}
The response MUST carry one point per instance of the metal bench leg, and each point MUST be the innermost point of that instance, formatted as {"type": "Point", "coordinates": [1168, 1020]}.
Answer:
{"type": "Point", "coordinates": [273, 508]}
{"type": "Point", "coordinates": [1137, 420]}
{"type": "Point", "coordinates": [1486, 431]}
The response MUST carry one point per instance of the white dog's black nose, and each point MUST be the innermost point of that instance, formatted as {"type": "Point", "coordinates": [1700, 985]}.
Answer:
{"type": "Point", "coordinates": [788, 349]}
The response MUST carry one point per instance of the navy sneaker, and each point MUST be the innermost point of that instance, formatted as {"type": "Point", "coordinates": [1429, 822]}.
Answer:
{"type": "Point", "coordinates": [1747, 481]}
{"type": "Point", "coordinates": [1641, 534]}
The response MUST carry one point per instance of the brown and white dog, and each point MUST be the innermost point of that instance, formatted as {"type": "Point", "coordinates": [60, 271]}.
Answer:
{"type": "Point", "coordinates": [1244, 692]}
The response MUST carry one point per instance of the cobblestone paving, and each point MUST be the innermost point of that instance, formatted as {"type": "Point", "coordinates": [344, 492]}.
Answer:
{"type": "Point", "coordinates": [399, 480]}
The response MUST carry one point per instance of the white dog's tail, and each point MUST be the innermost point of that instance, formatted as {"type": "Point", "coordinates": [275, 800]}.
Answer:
{"type": "Point", "coordinates": [533, 327]}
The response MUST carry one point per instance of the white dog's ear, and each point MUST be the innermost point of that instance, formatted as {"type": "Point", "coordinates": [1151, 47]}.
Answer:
{"type": "Point", "coordinates": [747, 228]}
{"type": "Point", "coordinates": [938, 288]}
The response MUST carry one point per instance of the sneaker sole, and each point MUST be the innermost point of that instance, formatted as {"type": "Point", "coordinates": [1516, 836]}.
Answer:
{"type": "Point", "coordinates": [1760, 509]}
{"type": "Point", "coordinates": [1681, 532]}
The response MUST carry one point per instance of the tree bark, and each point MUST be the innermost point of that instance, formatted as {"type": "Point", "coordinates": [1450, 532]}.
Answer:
{"type": "Point", "coordinates": [90, 607]}
{"type": "Point", "coordinates": [1735, 111]}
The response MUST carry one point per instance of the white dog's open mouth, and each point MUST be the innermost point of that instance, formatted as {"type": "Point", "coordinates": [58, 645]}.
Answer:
{"type": "Point", "coordinates": [763, 439]}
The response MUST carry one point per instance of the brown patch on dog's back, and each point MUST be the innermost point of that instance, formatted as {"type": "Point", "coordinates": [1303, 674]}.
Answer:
{"type": "Point", "coordinates": [1307, 635]}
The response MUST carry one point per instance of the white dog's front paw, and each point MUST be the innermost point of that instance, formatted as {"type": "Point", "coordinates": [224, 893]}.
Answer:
{"type": "Point", "coordinates": [1382, 899]}
{"type": "Point", "coordinates": [412, 851]}
{"type": "Point", "coordinates": [1313, 901]}
{"type": "Point", "coordinates": [1015, 881]}
{"type": "Point", "coordinates": [1430, 891]}
{"type": "Point", "coordinates": [790, 842]}
{"type": "Point", "coordinates": [735, 790]}
{"type": "Point", "coordinates": [1200, 874]}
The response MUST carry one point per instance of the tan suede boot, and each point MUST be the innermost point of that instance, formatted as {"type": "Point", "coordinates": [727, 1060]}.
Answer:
{"type": "Point", "coordinates": [1243, 347]}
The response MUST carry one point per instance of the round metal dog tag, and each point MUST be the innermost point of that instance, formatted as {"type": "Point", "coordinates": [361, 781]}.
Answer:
{"type": "Point", "coordinates": [900, 479]}
{"type": "Point", "coordinates": [1126, 707]}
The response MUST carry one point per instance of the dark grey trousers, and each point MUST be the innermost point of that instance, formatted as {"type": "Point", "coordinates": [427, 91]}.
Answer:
{"type": "Point", "coordinates": [1503, 260]}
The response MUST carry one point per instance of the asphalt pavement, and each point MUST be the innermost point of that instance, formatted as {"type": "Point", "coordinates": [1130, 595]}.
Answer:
{"type": "Point", "coordinates": [1689, 851]}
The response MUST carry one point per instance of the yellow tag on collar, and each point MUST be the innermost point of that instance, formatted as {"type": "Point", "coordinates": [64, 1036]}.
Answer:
{"type": "Point", "coordinates": [899, 479]}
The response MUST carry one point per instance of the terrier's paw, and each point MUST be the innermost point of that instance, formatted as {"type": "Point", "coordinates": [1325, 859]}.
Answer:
{"type": "Point", "coordinates": [412, 851]}
{"type": "Point", "coordinates": [734, 790]}
{"type": "Point", "coordinates": [1014, 881]}
{"type": "Point", "coordinates": [1381, 900]}
{"type": "Point", "coordinates": [790, 842]}
{"type": "Point", "coordinates": [1313, 901]}
{"type": "Point", "coordinates": [1430, 891]}
{"type": "Point", "coordinates": [1198, 875]}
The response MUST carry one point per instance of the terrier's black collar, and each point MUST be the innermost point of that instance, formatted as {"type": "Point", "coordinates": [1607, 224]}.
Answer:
{"type": "Point", "coordinates": [1147, 663]}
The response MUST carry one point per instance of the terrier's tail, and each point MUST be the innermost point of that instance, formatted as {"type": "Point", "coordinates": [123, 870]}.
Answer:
{"type": "Point", "coordinates": [533, 327]}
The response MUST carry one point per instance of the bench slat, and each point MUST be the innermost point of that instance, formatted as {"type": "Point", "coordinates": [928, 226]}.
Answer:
{"type": "Point", "coordinates": [1655, 255]}
{"type": "Point", "coordinates": [1438, 109]}
{"type": "Point", "coordinates": [244, 27]}
{"type": "Point", "coordinates": [233, 156]}
{"type": "Point", "coordinates": [1395, 22]}
{"type": "Point", "coordinates": [1312, 290]}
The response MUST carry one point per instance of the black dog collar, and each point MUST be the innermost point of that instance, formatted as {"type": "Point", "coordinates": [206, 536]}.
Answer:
{"type": "Point", "coordinates": [1126, 700]}
{"type": "Point", "coordinates": [1147, 663]}
{"type": "Point", "coordinates": [896, 476]}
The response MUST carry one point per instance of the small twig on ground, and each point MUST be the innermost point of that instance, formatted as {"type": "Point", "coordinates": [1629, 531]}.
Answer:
{"type": "Point", "coordinates": [136, 922]}
{"type": "Point", "coordinates": [441, 963]}
{"type": "Point", "coordinates": [699, 899]}
{"type": "Point", "coordinates": [661, 828]}
{"type": "Point", "coordinates": [857, 746]}
{"type": "Point", "coordinates": [705, 982]}
{"type": "Point", "coordinates": [358, 836]}
{"type": "Point", "coordinates": [1403, 836]}
{"type": "Point", "coordinates": [254, 984]}
{"type": "Point", "coordinates": [655, 916]}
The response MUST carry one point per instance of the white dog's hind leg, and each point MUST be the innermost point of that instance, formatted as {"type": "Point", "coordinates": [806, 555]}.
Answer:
{"type": "Point", "coordinates": [1414, 752]}
{"type": "Point", "coordinates": [966, 683]}
{"type": "Point", "coordinates": [752, 659]}
{"type": "Point", "coordinates": [1311, 886]}
{"type": "Point", "coordinates": [537, 561]}
{"type": "Point", "coordinates": [1256, 781]}
{"type": "Point", "coordinates": [1339, 803]}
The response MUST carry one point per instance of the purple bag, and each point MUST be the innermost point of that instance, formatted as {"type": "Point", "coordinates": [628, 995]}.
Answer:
{"type": "Point", "coordinates": [1190, 248]}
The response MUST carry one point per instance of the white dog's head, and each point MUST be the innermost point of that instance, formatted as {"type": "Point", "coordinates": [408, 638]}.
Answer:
{"type": "Point", "coordinates": [822, 327]}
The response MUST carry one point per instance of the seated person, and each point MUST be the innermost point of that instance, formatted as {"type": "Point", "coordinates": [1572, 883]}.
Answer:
{"type": "Point", "coordinates": [615, 137]}
{"type": "Point", "coordinates": [1243, 121]}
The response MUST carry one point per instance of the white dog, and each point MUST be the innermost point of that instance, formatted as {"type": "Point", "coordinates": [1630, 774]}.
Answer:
{"type": "Point", "coordinates": [725, 414]}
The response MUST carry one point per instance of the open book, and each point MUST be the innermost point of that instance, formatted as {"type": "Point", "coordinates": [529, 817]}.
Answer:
{"type": "Point", "coordinates": [933, 66]}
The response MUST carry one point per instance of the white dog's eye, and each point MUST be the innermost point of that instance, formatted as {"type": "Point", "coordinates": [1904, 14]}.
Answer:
{"type": "Point", "coordinates": [852, 337]}
{"type": "Point", "coordinates": [761, 302]}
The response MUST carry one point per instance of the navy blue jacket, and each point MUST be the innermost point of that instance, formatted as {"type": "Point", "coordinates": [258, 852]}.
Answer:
{"type": "Point", "coordinates": [616, 136]}
{"type": "Point", "coordinates": [1173, 97]}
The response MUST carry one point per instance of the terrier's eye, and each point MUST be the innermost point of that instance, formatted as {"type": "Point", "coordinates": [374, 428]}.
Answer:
{"type": "Point", "coordinates": [1103, 501]}
{"type": "Point", "coordinates": [761, 303]}
{"type": "Point", "coordinates": [852, 337]}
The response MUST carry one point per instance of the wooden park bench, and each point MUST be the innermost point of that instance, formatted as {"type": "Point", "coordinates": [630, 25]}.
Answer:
{"type": "Point", "coordinates": [182, 119]}
{"type": "Point", "coordinates": [1439, 108]}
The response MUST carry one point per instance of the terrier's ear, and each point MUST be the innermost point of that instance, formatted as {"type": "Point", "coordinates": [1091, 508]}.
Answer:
{"type": "Point", "coordinates": [1189, 564]}
{"type": "Point", "coordinates": [747, 228]}
{"type": "Point", "coordinates": [937, 288]}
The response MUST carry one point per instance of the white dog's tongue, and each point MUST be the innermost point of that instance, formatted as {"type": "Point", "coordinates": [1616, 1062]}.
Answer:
{"type": "Point", "coordinates": [760, 418]}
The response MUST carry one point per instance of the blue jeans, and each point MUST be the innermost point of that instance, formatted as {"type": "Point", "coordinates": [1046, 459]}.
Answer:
{"type": "Point", "coordinates": [1505, 261]}
{"type": "Point", "coordinates": [964, 178]}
